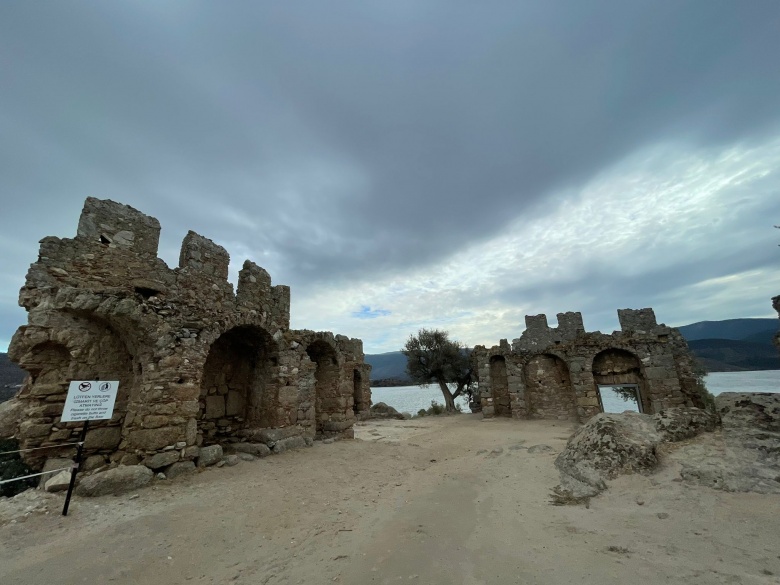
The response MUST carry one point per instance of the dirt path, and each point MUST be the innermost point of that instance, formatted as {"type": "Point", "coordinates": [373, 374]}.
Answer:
{"type": "Point", "coordinates": [437, 501]}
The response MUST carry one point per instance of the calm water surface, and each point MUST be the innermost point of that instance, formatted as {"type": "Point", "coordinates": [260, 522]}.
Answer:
{"type": "Point", "coordinates": [413, 398]}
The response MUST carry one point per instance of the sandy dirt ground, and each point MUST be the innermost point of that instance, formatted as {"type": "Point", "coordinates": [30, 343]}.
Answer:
{"type": "Point", "coordinates": [450, 500]}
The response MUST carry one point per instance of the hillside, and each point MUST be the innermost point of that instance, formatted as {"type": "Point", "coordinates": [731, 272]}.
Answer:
{"type": "Point", "coordinates": [736, 329]}
{"type": "Point", "coordinates": [734, 344]}
{"type": "Point", "coordinates": [10, 376]}
{"type": "Point", "coordinates": [387, 365]}
{"type": "Point", "coordinates": [730, 354]}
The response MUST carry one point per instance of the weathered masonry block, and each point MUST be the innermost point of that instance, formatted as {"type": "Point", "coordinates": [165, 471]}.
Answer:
{"type": "Point", "coordinates": [555, 372]}
{"type": "Point", "coordinates": [198, 365]}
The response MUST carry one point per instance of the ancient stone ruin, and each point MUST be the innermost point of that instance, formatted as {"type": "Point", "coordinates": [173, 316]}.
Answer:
{"type": "Point", "coordinates": [555, 373]}
{"type": "Point", "coordinates": [198, 364]}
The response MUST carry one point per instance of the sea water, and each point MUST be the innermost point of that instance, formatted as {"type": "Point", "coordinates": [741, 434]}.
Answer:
{"type": "Point", "coordinates": [413, 398]}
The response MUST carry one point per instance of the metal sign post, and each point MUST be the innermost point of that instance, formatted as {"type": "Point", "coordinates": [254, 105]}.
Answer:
{"type": "Point", "coordinates": [87, 400]}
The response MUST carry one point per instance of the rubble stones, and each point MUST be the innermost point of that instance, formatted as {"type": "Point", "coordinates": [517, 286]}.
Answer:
{"type": "Point", "coordinates": [287, 444]}
{"type": "Point", "coordinates": [52, 467]}
{"type": "Point", "coordinates": [160, 460]}
{"type": "Point", "coordinates": [197, 362]}
{"type": "Point", "coordinates": [255, 449]}
{"type": "Point", "coordinates": [179, 468]}
{"type": "Point", "coordinates": [114, 481]}
{"type": "Point", "coordinates": [59, 482]}
{"type": "Point", "coordinates": [208, 456]}
{"type": "Point", "coordinates": [92, 462]}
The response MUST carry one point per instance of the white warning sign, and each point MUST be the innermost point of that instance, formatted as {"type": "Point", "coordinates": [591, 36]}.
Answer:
{"type": "Point", "coordinates": [90, 400]}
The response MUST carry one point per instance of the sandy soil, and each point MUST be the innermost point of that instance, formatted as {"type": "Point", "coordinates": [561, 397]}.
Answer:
{"type": "Point", "coordinates": [437, 501]}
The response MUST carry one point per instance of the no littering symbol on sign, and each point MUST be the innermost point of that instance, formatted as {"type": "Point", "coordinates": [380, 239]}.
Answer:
{"type": "Point", "coordinates": [90, 400]}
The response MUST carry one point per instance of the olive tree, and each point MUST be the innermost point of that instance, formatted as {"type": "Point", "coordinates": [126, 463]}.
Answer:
{"type": "Point", "coordinates": [433, 358]}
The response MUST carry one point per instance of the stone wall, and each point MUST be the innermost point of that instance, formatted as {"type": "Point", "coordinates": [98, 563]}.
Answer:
{"type": "Point", "coordinates": [197, 363]}
{"type": "Point", "coordinates": [554, 372]}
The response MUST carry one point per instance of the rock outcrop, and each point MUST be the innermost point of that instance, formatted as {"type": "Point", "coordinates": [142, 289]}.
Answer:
{"type": "Point", "coordinates": [745, 456]}
{"type": "Point", "coordinates": [609, 445]}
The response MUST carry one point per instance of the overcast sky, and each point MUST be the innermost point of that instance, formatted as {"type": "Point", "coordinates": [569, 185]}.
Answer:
{"type": "Point", "coordinates": [414, 163]}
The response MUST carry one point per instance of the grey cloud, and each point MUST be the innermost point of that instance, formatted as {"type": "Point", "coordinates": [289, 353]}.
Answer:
{"type": "Point", "coordinates": [429, 125]}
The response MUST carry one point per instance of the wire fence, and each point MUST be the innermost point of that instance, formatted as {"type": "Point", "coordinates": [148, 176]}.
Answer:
{"type": "Point", "coordinates": [51, 471]}
{"type": "Point", "coordinates": [61, 446]}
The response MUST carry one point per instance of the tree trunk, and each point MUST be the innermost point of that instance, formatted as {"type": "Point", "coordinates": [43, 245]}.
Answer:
{"type": "Point", "coordinates": [449, 399]}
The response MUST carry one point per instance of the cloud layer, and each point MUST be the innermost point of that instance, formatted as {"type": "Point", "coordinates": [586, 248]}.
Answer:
{"type": "Point", "coordinates": [412, 164]}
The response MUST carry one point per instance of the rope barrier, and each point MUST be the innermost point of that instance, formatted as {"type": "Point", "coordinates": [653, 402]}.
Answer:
{"type": "Point", "coordinates": [35, 475]}
{"type": "Point", "coordinates": [38, 448]}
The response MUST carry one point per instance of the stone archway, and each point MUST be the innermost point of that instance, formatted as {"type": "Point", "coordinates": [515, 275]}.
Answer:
{"type": "Point", "coordinates": [549, 392]}
{"type": "Point", "coordinates": [92, 350]}
{"type": "Point", "coordinates": [499, 386]}
{"type": "Point", "coordinates": [618, 367]}
{"type": "Point", "coordinates": [329, 404]}
{"type": "Point", "coordinates": [237, 389]}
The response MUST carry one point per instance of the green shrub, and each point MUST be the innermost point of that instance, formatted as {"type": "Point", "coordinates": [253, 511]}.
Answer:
{"type": "Point", "coordinates": [12, 466]}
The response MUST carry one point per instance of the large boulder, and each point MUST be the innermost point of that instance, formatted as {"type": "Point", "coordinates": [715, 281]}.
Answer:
{"type": "Point", "coordinates": [256, 449]}
{"type": "Point", "coordinates": [382, 410]}
{"type": "Point", "coordinates": [179, 468]}
{"type": "Point", "coordinates": [115, 481]}
{"type": "Point", "coordinates": [289, 443]}
{"type": "Point", "coordinates": [608, 445]}
{"type": "Point", "coordinates": [210, 455]}
{"type": "Point", "coordinates": [160, 460]}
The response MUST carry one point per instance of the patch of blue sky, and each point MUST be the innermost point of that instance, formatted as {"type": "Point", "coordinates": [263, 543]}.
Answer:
{"type": "Point", "coordinates": [367, 312]}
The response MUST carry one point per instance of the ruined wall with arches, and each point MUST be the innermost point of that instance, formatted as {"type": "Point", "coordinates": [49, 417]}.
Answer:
{"type": "Point", "coordinates": [555, 372]}
{"type": "Point", "coordinates": [198, 363]}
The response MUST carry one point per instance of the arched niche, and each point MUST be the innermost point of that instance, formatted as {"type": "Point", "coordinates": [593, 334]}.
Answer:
{"type": "Point", "coordinates": [499, 386]}
{"type": "Point", "coordinates": [237, 387]}
{"type": "Point", "coordinates": [328, 400]}
{"type": "Point", "coordinates": [618, 367]}
{"type": "Point", "coordinates": [549, 393]}
{"type": "Point", "coordinates": [80, 347]}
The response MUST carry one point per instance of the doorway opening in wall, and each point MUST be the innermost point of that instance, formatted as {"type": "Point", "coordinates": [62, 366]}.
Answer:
{"type": "Point", "coordinates": [620, 398]}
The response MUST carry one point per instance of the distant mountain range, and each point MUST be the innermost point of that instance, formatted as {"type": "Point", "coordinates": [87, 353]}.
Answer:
{"type": "Point", "coordinates": [10, 376]}
{"type": "Point", "coordinates": [721, 346]}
